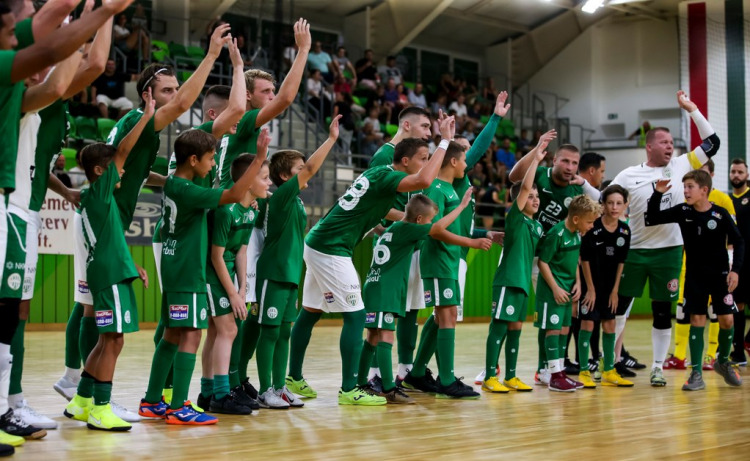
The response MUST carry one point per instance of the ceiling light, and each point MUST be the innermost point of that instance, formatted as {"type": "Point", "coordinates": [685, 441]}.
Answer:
{"type": "Point", "coordinates": [591, 6]}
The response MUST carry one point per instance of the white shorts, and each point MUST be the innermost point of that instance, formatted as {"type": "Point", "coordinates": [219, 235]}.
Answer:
{"type": "Point", "coordinates": [462, 268]}
{"type": "Point", "coordinates": [81, 293]}
{"type": "Point", "coordinates": [3, 232]}
{"type": "Point", "coordinates": [331, 283]}
{"type": "Point", "coordinates": [254, 247]}
{"type": "Point", "coordinates": [121, 103]}
{"type": "Point", "coordinates": [33, 227]}
{"type": "Point", "coordinates": [157, 246]}
{"type": "Point", "coordinates": [415, 290]}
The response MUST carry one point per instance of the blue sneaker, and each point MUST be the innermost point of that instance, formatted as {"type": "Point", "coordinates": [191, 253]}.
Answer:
{"type": "Point", "coordinates": [153, 410]}
{"type": "Point", "coordinates": [187, 416]}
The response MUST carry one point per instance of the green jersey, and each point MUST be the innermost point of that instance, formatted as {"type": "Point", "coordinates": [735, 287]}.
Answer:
{"type": "Point", "coordinates": [108, 261]}
{"type": "Point", "coordinates": [11, 96]}
{"type": "Point", "coordinates": [285, 222]}
{"type": "Point", "coordinates": [137, 166]}
{"type": "Point", "coordinates": [49, 142]}
{"type": "Point", "coordinates": [360, 209]}
{"type": "Point", "coordinates": [384, 155]}
{"type": "Point", "coordinates": [24, 33]}
{"type": "Point", "coordinates": [386, 283]}
{"type": "Point", "coordinates": [439, 259]}
{"type": "Point", "coordinates": [553, 199]}
{"type": "Point", "coordinates": [519, 247]}
{"type": "Point", "coordinates": [231, 227]}
{"type": "Point", "coordinates": [185, 234]}
{"type": "Point", "coordinates": [560, 249]}
{"type": "Point", "coordinates": [244, 141]}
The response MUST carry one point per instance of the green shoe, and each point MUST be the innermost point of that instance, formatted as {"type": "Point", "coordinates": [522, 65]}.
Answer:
{"type": "Point", "coordinates": [360, 396]}
{"type": "Point", "coordinates": [102, 418]}
{"type": "Point", "coordinates": [301, 388]}
{"type": "Point", "coordinates": [78, 408]}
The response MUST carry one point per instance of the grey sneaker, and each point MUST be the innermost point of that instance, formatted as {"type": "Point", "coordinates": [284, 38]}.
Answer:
{"type": "Point", "coordinates": [694, 383]}
{"type": "Point", "coordinates": [397, 396]}
{"type": "Point", "coordinates": [272, 399]}
{"type": "Point", "coordinates": [657, 377]}
{"type": "Point", "coordinates": [730, 372]}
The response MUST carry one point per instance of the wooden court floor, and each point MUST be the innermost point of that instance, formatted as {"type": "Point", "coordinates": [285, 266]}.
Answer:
{"type": "Point", "coordinates": [606, 423]}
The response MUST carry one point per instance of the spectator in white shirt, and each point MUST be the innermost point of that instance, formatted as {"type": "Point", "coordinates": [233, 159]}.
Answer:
{"type": "Point", "coordinates": [459, 106]}
{"type": "Point", "coordinates": [390, 71]}
{"type": "Point", "coordinates": [416, 97]}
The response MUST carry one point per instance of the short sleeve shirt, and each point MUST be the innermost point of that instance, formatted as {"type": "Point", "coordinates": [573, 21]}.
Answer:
{"type": "Point", "coordinates": [439, 259]}
{"type": "Point", "coordinates": [384, 155]}
{"type": "Point", "coordinates": [244, 141]}
{"type": "Point", "coordinates": [11, 97]}
{"type": "Point", "coordinates": [231, 227]}
{"type": "Point", "coordinates": [560, 249]}
{"type": "Point", "coordinates": [522, 235]}
{"type": "Point", "coordinates": [553, 199]}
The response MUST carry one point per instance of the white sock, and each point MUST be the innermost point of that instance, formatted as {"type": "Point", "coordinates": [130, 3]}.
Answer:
{"type": "Point", "coordinates": [373, 373]}
{"type": "Point", "coordinates": [15, 400]}
{"type": "Point", "coordinates": [6, 362]}
{"type": "Point", "coordinates": [403, 369]}
{"type": "Point", "coordinates": [72, 374]}
{"type": "Point", "coordinates": [619, 325]}
{"type": "Point", "coordinates": [660, 340]}
{"type": "Point", "coordinates": [554, 366]}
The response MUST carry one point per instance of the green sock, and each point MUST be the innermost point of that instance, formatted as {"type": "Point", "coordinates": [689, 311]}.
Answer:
{"type": "Point", "coordinates": [269, 334]}
{"type": "Point", "coordinates": [584, 344]}
{"type": "Point", "coordinates": [446, 346]}
{"type": "Point", "coordinates": [102, 392]}
{"type": "Point", "coordinates": [385, 363]}
{"type": "Point", "coordinates": [184, 364]}
{"type": "Point", "coordinates": [88, 337]}
{"type": "Point", "coordinates": [365, 362]}
{"type": "Point", "coordinates": [696, 348]}
{"type": "Point", "coordinates": [221, 386]}
{"type": "Point", "coordinates": [234, 357]}
{"type": "Point", "coordinates": [162, 362]}
{"type": "Point", "coordinates": [250, 333]}
{"type": "Point", "coordinates": [281, 355]}
{"type": "Point", "coordinates": [511, 353]}
{"type": "Point", "coordinates": [350, 346]}
{"type": "Point", "coordinates": [427, 347]}
{"type": "Point", "coordinates": [301, 332]}
{"type": "Point", "coordinates": [159, 333]}
{"type": "Point", "coordinates": [72, 330]}
{"type": "Point", "coordinates": [552, 350]}
{"type": "Point", "coordinates": [725, 344]}
{"type": "Point", "coordinates": [17, 351]}
{"type": "Point", "coordinates": [207, 387]}
{"type": "Point", "coordinates": [406, 336]}
{"type": "Point", "coordinates": [608, 342]}
{"type": "Point", "coordinates": [497, 332]}
{"type": "Point", "coordinates": [86, 386]}
{"type": "Point", "coordinates": [541, 339]}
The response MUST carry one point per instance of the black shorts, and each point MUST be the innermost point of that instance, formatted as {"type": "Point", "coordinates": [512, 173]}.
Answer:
{"type": "Point", "coordinates": [601, 310]}
{"type": "Point", "coordinates": [698, 290]}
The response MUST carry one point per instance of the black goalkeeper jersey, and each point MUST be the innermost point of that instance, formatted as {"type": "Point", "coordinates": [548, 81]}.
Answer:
{"type": "Point", "coordinates": [604, 251]}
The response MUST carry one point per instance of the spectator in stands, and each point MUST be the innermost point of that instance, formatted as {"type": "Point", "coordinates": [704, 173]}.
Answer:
{"type": "Point", "coordinates": [343, 106]}
{"type": "Point", "coordinates": [478, 177]}
{"type": "Point", "coordinates": [386, 105]}
{"type": "Point", "coordinates": [475, 112]}
{"type": "Point", "coordinates": [468, 130]}
{"type": "Point", "coordinates": [447, 85]}
{"type": "Point", "coordinates": [640, 133]}
{"type": "Point", "coordinates": [489, 92]}
{"type": "Point", "coordinates": [367, 74]}
{"type": "Point", "coordinates": [459, 106]}
{"type": "Point", "coordinates": [403, 98]}
{"type": "Point", "coordinates": [108, 90]}
{"type": "Point", "coordinates": [440, 104]}
{"type": "Point", "coordinates": [342, 85]}
{"type": "Point", "coordinates": [523, 143]}
{"type": "Point", "coordinates": [76, 174]}
{"type": "Point", "coordinates": [139, 18]}
{"type": "Point", "coordinates": [318, 95]}
{"type": "Point", "coordinates": [369, 142]}
{"type": "Point", "coordinates": [491, 203]}
{"type": "Point", "coordinates": [372, 119]}
{"type": "Point", "coordinates": [59, 171]}
{"type": "Point", "coordinates": [343, 64]}
{"type": "Point", "coordinates": [127, 40]}
{"type": "Point", "coordinates": [318, 59]}
{"type": "Point", "coordinates": [242, 46]}
{"type": "Point", "coordinates": [417, 97]}
{"type": "Point", "coordinates": [505, 154]}
{"type": "Point", "coordinates": [290, 52]}
{"type": "Point", "coordinates": [390, 70]}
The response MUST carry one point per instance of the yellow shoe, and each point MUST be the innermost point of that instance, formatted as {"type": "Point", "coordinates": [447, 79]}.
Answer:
{"type": "Point", "coordinates": [79, 408]}
{"type": "Point", "coordinates": [101, 417]}
{"type": "Point", "coordinates": [197, 408]}
{"type": "Point", "coordinates": [585, 378]}
{"type": "Point", "coordinates": [493, 385]}
{"type": "Point", "coordinates": [612, 378]}
{"type": "Point", "coordinates": [12, 440]}
{"type": "Point", "coordinates": [167, 395]}
{"type": "Point", "coordinates": [516, 384]}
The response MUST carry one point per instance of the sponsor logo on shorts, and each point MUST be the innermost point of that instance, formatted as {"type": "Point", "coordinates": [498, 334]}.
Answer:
{"type": "Point", "coordinates": [127, 317]}
{"type": "Point", "coordinates": [447, 293]}
{"type": "Point", "coordinates": [328, 296]}
{"type": "Point", "coordinates": [178, 311]}
{"type": "Point", "coordinates": [204, 314]}
{"type": "Point", "coordinates": [352, 299]}
{"type": "Point", "coordinates": [729, 299]}
{"type": "Point", "coordinates": [428, 296]}
{"type": "Point", "coordinates": [620, 241]}
{"type": "Point", "coordinates": [14, 281]}
{"type": "Point", "coordinates": [510, 310]}
{"type": "Point", "coordinates": [673, 285]}
{"type": "Point", "coordinates": [83, 286]}
{"type": "Point", "coordinates": [554, 319]}
{"type": "Point", "coordinates": [224, 302]}
{"type": "Point", "coordinates": [104, 318]}
{"type": "Point", "coordinates": [370, 317]}
{"type": "Point", "coordinates": [711, 224]}
{"type": "Point", "coordinates": [388, 318]}
{"type": "Point", "coordinates": [272, 312]}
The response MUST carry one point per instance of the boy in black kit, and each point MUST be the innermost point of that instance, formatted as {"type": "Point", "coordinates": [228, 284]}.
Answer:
{"type": "Point", "coordinates": [706, 230]}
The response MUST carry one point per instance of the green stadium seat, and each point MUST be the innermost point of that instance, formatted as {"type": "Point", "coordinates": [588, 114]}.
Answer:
{"type": "Point", "coordinates": [70, 157]}
{"type": "Point", "coordinates": [183, 75]}
{"type": "Point", "coordinates": [159, 50]}
{"type": "Point", "coordinates": [484, 119]}
{"type": "Point", "coordinates": [356, 100]}
{"type": "Point", "coordinates": [409, 85]}
{"type": "Point", "coordinates": [86, 128]}
{"type": "Point", "coordinates": [177, 50]}
{"type": "Point", "coordinates": [104, 126]}
{"type": "Point", "coordinates": [348, 74]}
{"type": "Point", "coordinates": [391, 129]}
{"type": "Point", "coordinates": [196, 52]}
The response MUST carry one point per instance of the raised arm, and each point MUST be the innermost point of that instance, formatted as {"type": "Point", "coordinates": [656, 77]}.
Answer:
{"type": "Point", "coordinates": [50, 16]}
{"type": "Point", "coordinates": [537, 155]}
{"type": "Point", "coordinates": [316, 160]}
{"type": "Point", "coordinates": [127, 143]}
{"type": "Point", "coordinates": [443, 223]}
{"type": "Point", "coordinates": [94, 62]}
{"type": "Point", "coordinates": [520, 168]}
{"type": "Point", "coordinates": [483, 141]}
{"type": "Point", "coordinates": [237, 191]}
{"type": "Point", "coordinates": [709, 140]}
{"type": "Point", "coordinates": [192, 88]}
{"type": "Point", "coordinates": [429, 172]}
{"type": "Point", "coordinates": [53, 87]}
{"type": "Point", "coordinates": [236, 107]}
{"type": "Point", "coordinates": [289, 87]}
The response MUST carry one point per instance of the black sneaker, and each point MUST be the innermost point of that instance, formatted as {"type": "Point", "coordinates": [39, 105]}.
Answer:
{"type": "Point", "coordinates": [6, 450]}
{"type": "Point", "coordinates": [593, 365]}
{"type": "Point", "coordinates": [424, 383]}
{"type": "Point", "coordinates": [738, 357]}
{"type": "Point", "coordinates": [631, 362]}
{"type": "Point", "coordinates": [624, 371]}
{"type": "Point", "coordinates": [13, 425]}
{"type": "Point", "coordinates": [238, 393]}
{"type": "Point", "coordinates": [203, 402]}
{"type": "Point", "coordinates": [456, 390]}
{"type": "Point", "coordinates": [571, 368]}
{"type": "Point", "coordinates": [376, 384]}
{"type": "Point", "coordinates": [249, 389]}
{"type": "Point", "coordinates": [228, 406]}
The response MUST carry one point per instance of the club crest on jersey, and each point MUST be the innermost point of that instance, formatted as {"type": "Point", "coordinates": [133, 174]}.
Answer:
{"type": "Point", "coordinates": [745, 200]}
{"type": "Point", "coordinates": [328, 296]}
{"type": "Point", "coordinates": [729, 300]}
{"type": "Point", "coordinates": [104, 318]}
{"type": "Point", "coordinates": [673, 285]}
{"type": "Point", "coordinates": [567, 201]}
{"type": "Point", "coordinates": [428, 296]}
{"type": "Point", "coordinates": [370, 317]}
{"type": "Point", "coordinates": [620, 241]}
{"type": "Point", "coordinates": [178, 311]}
{"type": "Point", "coordinates": [667, 172]}
{"type": "Point", "coordinates": [711, 224]}
{"type": "Point", "coordinates": [83, 286]}
{"type": "Point", "coordinates": [388, 318]}
{"type": "Point", "coordinates": [273, 312]}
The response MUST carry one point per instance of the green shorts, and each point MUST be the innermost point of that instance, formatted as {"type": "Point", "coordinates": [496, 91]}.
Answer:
{"type": "Point", "coordinates": [549, 315]}
{"type": "Point", "coordinates": [218, 300]}
{"type": "Point", "coordinates": [184, 310]}
{"type": "Point", "coordinates": [115, 309]}
{"type": "Point", "coordinates": [509, 304]}
{"type": "Point", "coordinates": [441, 292]}
{"type": "Point", "coordinates": [381, 320]}
{"type": "Point", "coordinates": [11, 285]}
{"type": "Point", "coordinates": [661, 267]}
{"type": "Point", "coordinates": [277, 302]}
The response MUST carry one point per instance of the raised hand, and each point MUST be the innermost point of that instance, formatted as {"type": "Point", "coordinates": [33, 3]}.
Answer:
{"type": "Point", "coordinates": [500, 107]}
{"type": "Point", "coordinates": [302, 35]}
{"type": "Point", "coordinates": [88, 7]}
{"type": "Point", "coordinates": [662, 185]}
{"type": "Point", "coordinates": [234, 54]}
{"type": "Point", "coordinates": [684, 101]}
{"type": "Point", "coordinates": [466, 198]}
{"type": "Point", "coordinates": [448, 127]}
{"type": "Point", "coordinates": [264, 140]}
{"type": "Point", "coordinates": [545, 139]}
{"type": "Point", "coordinates": [149, 104]}
{"type": "Point", "coordinates": [218, 40]}
{"type": "Point", "coordinates": [117, 6]}
{"type": "Point", "coordinates": [333, 129]}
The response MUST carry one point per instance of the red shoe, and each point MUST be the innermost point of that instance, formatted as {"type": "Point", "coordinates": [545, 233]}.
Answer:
{"type": "Point", "coordinates": [559, 383]}
{"type": "Point", "coordinates": [673, 363]}
{"type": "Point", "coordinates": [708, 363]}
{"type": "Point", "coordinates": [577, 384]}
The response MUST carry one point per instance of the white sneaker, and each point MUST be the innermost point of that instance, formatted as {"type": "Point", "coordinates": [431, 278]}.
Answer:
{"type": "Point", "coordinates": [272, 399]}
{"type": "Point", "coordinates": [480, 378]}
{"type": "Point", "coordinates": [29, 416]}
{"type": "Point", "coordinates": [541, 378]}
{"type": "Point", "coordinates": [66, 388]}
{"type": "Point", "coordinates": [290, 398]}
{"type": "Point", "coordinates": [123, 413]}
